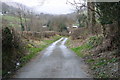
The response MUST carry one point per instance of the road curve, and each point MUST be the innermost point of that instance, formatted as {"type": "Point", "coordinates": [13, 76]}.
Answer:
{"type": "Point", "coordinates": [56, 61]}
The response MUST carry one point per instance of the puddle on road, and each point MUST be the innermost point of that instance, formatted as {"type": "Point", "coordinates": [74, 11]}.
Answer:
{"type": "Point", "coordinates": [50, 49]}
{"type": "Point", "coordinates": [64, 49]}
{"type": "Point", "coordinates": [63, 42]}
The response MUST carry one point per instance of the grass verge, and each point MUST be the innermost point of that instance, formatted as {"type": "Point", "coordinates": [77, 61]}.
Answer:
{"type": "Point", "coordinates": [91, 43]}
{"type": "Point", "coordinates": [103, 64]}
{"type": "Point", "coordinates": [79, 50]}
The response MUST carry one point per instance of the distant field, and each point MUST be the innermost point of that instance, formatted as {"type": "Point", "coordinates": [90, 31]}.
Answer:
{"type": "Point", "coordinates": [13, 20]}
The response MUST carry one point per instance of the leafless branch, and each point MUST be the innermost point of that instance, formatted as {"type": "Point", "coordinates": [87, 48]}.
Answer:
{"type": "Point", "coordinates": [80, 6]}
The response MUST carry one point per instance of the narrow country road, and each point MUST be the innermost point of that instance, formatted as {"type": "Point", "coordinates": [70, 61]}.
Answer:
{"type": "Point", "coordinates": [56, 61]}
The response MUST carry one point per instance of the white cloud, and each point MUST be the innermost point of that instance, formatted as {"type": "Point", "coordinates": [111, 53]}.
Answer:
{"type": "Point", "coordinates": [49, 6]}
{"type": "Point", "coordinates": [54, 7]}
{"type": "Point", "coordinates": [29, 3]}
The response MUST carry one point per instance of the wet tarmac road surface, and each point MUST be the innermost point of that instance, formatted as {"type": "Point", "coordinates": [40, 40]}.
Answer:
{"type": "Point", "coordinates": [56, 61]}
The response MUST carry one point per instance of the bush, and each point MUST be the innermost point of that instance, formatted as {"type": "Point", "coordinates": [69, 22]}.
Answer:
{"type": "Point", "coordinates": [81, 33]}
{"type": "Point", "coordinates": [39, 35]}
{"type": "Point", "coordinates": [94, 41]}
{"type": "Point", "coordinates": [12, 50]}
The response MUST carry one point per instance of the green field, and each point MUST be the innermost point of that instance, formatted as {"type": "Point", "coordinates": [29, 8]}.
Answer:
{"type": "Point", "coordinates": [13, 21]}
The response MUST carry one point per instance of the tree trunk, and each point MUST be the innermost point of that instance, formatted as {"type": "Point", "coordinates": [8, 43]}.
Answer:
{"type": "Point", "coordinates": [103, 30]}
{"type": "Point", "coordinates": [91, 17]}
{"type": "Point", "coordinates": [21, 22]}
{"type": "Point", "coordinates": [26, 28]}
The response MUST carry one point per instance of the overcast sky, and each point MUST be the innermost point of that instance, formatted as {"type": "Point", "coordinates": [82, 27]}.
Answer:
{"type": "Point", "coordinates": [49, 6]}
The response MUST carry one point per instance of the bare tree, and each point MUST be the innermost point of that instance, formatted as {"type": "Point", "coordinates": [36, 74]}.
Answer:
{"type": "Point", "coordinates": [20, 15]}
{"type": "Point", "coordinates": [81, 5]}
